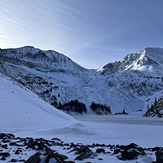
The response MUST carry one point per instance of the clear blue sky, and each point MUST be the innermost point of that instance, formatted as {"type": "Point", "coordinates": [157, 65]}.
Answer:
{"type": "Point", "coordinates": [90, 32]}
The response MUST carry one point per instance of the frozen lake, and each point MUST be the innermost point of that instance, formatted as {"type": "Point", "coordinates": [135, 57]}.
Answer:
{"type": "Point", "coordinates": [120, 119]}
{"type": "Point", "coordinates": [118, 129]}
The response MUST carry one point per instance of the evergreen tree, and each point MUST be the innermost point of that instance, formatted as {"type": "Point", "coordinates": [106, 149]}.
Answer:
{"type": "Point", "coordinates": [100, 108]}
{"type": "Point", "coordinates": [73, 106]}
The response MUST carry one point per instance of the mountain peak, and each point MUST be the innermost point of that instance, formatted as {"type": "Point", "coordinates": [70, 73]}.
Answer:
{"type": "Point", "coordinates": [155, 54]}
{"type": "Point", "coordinates": [129, 84]}
{"type": "Point", "coordinates": [152, 50]}
{"type": "Point", "coordinates": [44, 60]}
{"type": "Point", "coordinates": [148, 59]}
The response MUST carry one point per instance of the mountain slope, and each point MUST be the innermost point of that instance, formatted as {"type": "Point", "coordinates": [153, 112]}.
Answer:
{"type": "Point", "coordinates": [156, 109]}
{"type": "Point", "coordinates": [128, 85]}
{"type": "Point", "coordinates": [22, 110]}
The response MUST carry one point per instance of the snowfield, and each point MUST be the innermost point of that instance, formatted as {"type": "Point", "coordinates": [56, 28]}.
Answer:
{"type": "Point", "coordinates": [25, 115]}
{"type": "Point", "coordinates": [23, 110]}
{"type": "Point", "coordinates": [112, 129]}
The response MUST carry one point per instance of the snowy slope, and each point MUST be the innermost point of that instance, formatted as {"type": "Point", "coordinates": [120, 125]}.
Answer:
{"type": "Point", "coordinates": [22, 110]}
{"type": "Point", "coordinates": [129, 85]}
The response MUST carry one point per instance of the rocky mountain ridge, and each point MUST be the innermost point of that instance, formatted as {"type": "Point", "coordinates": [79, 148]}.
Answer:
{"type": "Point", "coordinates": [156, 109]}
{"type": "Point", "coordinates": [39, 59]}
{"type": "Point", "coordinates": [148, 59]}
{"type": "Point", "coordinates": [127, 86]}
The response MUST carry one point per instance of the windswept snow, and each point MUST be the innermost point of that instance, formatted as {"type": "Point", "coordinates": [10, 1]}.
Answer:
{"type": "Point", "coordinates": [23, 110]}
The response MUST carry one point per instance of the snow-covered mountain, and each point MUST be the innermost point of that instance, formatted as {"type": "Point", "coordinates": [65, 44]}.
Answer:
{"type": "Point", "coordinates": [128, 85]}
{"type": "Point", "coordinates": [148, 60]}
{"type": "Point", "coordinates": [22, 110]}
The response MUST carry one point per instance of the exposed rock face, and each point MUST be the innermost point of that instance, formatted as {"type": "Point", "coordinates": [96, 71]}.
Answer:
{"type": "Point", "coordinates": [34, 159]}
{"type": "Point", "coordinates": [5, 154]}
{"type": "Point", "coordinates": [131, 152]}
{"type": "Point", "coordinates": [58, 157]}
{"type": "Point", "coordinates": [84, 152]}
{"type": "Point", "coordinates": [51, 151]}
{"type": "Point", "coordinates": [159, 156]}
{"type": "Point", "coordinates": [128, 85]}
{"type": "Point", "coordinates": [156, 110]}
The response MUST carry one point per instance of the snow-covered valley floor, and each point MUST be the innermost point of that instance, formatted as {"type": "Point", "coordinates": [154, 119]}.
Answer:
{"type": "Point", "coordinates": [146, 132]}
{"type": "Point", "coordinates": [110, 129]}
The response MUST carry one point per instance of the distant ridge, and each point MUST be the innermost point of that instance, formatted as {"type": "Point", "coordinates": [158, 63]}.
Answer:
{"type": "Point", "coordinates": [129, 85]}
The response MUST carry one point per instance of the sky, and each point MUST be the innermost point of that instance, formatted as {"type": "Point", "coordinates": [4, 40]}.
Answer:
{"type": "Point", "coordinates": [90, 32]}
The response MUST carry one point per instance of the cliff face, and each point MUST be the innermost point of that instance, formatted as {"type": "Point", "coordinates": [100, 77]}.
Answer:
{"type": "Point", "coordinates": [156, 109]}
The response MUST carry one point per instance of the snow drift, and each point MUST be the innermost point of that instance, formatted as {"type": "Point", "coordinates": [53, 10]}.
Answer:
{"type": "Point", "coordinates": [22, 110]}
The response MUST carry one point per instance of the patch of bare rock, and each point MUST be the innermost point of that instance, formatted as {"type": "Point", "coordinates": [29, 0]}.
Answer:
{"type": "Point", "coordinates": [39, 150]}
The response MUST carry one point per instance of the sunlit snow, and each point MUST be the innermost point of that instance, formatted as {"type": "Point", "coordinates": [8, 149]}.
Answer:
{"type": "Point", "coordinates": [23, 110]}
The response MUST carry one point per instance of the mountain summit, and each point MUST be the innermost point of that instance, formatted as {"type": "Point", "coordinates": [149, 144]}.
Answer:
{"type": "Point", "coordinates": [39, 59]}
{"type": "Point", "coordinates": [127, 86]}
{"type": "Point", "coordinates": [147, 60]}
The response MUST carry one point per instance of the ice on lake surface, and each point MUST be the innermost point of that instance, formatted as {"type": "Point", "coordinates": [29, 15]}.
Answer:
{"type": "Point", "coordinates": [110, 129]}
